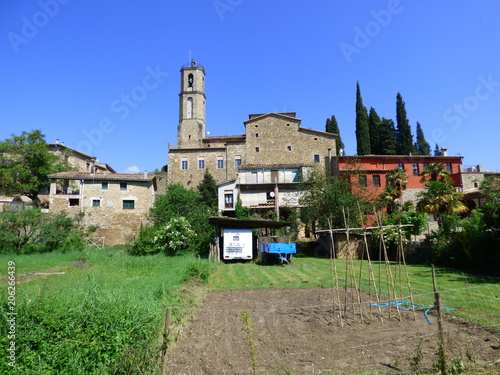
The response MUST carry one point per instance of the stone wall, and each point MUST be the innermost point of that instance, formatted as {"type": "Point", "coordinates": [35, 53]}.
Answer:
{"type": "Point", "coordinates": [105, 208]}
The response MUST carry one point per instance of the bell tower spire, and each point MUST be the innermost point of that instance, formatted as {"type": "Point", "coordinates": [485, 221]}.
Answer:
{"type": "Point", "coordinates": [192, 128]}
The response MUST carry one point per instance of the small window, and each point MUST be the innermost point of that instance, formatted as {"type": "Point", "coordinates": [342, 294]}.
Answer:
{"type": "Point", "coordinates": [416, 169]}
{"type": "Point", "coordinates": [190, 108]}
{"type": "Point", "coordinates": [123, 186]}
{"type": "Point", "coordinates": [363, 181]}
{"type": "Point", "coordinates": [228, 200]}
{"type": "Point", "coordinates": [401, 165]}
{"type": "Point", "coordinates": [184, 163]}
{"type": "Point", "coordinates": [257, 149]}
{"type": "Point", "coordinates": [287, 124]}
{"type": "Point", "coordinates": [376, 180]}
{"type": "Point", "coordinates": [128, 204]}
{"type": "Point", "coordinates": [316, 158]}
{"type": "Point", "coordinates": [220, 162]}
{"type": "Point", "coordinates": [96, 203]}
{"type": "Point", "coordinates": [74, 202]}
{"type": "Point", "coordinates": [256, 135]}
{"type": "Point", "coordinates": [237, 161]}
{"type": "Point", "coordinates": [201, 162]}
{"type": "Point", "coordinates": [104, 185]}
{"type": "Point", "coordinates": [289, 148]}
{"type": "Point", "coordinates": [190, 80]}
{"type": "Point", "coordinates": [449, 168]}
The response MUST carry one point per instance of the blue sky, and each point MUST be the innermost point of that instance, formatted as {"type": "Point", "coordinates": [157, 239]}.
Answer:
{"type": "Point", "coordinates": [103, 77]}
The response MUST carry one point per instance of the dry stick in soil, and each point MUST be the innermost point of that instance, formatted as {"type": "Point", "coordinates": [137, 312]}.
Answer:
{"type": "Point", "coordinates": [350, 270]}
{"type": "Point", "coordinates": [407, 277]}
{"type": "Point", "coordinates": [370, 271]}
{"type": "Point", "coordinates": [390, 279]}
{"type": "Point", "coordinates": [335, 280]}
{"type": "Point", "coordinates": [441, 343]}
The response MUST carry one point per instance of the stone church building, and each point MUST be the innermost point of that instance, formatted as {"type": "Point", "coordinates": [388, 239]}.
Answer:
{"type": "Point", "coordinates": [272, 140]}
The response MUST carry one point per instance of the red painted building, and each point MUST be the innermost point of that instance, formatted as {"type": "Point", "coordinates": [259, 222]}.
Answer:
{"type": "Point", "coordinates": [372, 170]}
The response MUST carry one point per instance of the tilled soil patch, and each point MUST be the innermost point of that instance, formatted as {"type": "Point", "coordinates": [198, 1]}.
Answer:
{"type": "Point", "coordinates": [300, 331]}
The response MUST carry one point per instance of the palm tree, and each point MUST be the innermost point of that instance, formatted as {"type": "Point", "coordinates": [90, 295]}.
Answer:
{"type": "Point", "coordinates": [398, 179]}
{"type": "Point", "coordinates": [392, 196]}
{"type": "Point", "coordinates": [435, 172]}
{"type": "Point", "coordinates": [440, 198]}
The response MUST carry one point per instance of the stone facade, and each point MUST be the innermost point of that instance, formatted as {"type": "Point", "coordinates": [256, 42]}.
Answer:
{"type": "Point", "coordinates": [117, 203]}
{"type": "Point", "coordinates": [271, 138]}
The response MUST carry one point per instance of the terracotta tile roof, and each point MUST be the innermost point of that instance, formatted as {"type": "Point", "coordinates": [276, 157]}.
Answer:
{"type": "Point", "coordinates": [103, 176]}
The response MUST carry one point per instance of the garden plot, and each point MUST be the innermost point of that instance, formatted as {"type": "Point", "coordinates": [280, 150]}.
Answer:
{"type": "Point", "coordinates": [307, 331]}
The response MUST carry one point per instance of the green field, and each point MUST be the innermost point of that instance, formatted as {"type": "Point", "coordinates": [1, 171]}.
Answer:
{"type": "Point", "coordinates": [474, 298]}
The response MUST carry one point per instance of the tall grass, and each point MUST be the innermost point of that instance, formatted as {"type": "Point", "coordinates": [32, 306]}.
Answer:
{"type": "Point", "coordinates": [104, 315]}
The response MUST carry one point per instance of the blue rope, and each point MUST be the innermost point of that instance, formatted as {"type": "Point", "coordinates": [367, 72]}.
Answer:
{"type": "Point", "coordinates": [399, 304]}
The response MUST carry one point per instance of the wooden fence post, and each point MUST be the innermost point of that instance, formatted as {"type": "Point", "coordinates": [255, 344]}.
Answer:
{"type": "Point", "coordinates": [166, 331]}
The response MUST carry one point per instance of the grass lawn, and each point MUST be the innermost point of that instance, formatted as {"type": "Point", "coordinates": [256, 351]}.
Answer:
{"type": "Point", "coordinates": [473, 298]}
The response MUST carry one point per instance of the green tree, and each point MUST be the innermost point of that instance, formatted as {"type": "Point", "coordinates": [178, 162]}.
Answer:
{"type": "Point", "coordinates": [240, 211]}
{"type": "Point", "coordinates": [26, 163]}
{"type": "Point", "coordinates": [362, 130]}
{"type": "Point", "coordinates": [387, 137]}
{"type": "Point", "coordinates": [435, 172]}
{"type": "Point", "coordinates": [324, 201]}
{"type": "Point", "coordinates": [374, 127]}
{"type": "Point", "coordinates": [439, 198]}
{"type": "Point", "coordinates": [332, 127]}
{"type": "Point", "coordinates": [403, 136]}
{"type": "Point", "coordinates": [422, 147]}
{"type": "Point", "coordinates": [392, 196]}
{"type": "Point", "coordinates": [437, 151]}
{"type": "Point", "coordinates": [208, 191]}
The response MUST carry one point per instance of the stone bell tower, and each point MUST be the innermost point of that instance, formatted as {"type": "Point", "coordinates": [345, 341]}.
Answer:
{"type": "Point", "coordinates": [192, 128]}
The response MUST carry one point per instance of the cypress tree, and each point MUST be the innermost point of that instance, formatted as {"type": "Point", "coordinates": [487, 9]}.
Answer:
{"type": "Point", "coordinates": [373, 126]}
{"type": "Point", "coordinates": [362, 130]}
{"type": "Point", "coordinates": [404, 136]}
{"type": "Point", "coordinates": [332, 127]}
{"type": "Point", "coordinates": [387, 136]}
{"type": "Point", "coordinates": [422, 147]}
{"type": "Point", "coordinates": [437, 151]}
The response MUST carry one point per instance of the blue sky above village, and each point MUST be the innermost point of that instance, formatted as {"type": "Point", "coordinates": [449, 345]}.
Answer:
{"type": "Point", "coordinates": [103, 77]}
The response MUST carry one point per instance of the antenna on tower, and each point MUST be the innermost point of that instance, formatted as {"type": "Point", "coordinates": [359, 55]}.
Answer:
{"type": "Point", "coordinates": [189, 61]}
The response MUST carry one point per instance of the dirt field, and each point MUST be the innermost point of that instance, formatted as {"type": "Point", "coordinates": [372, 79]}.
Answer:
{"type": "Point", "coordinates": [299, 331]}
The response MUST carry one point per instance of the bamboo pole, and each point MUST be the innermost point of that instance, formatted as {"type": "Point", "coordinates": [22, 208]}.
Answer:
{"type": "Point", "coordinates": [335, 280]}
{"type": "Point", "coordinates": [408, 282]}
{"type": "Point", "coordinates": [371, 276]}
{"type": "Point", "coordinates": [441, 341]}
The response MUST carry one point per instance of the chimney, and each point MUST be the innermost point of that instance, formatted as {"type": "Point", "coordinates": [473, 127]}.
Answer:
{"type": "Point", "coordinates": [145, 175]}
{"type": "Point", "coordinates": [444, 151]}
{"type": "Point", "coordinates": [57, 141]}
{"type": "Point", "coordinates": [479, 168]}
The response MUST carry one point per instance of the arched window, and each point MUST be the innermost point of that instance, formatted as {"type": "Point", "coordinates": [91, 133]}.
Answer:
{"type": "Point", "coordinates": [190, 80]}
{"type": "Point", "coordinates": [190, 108]}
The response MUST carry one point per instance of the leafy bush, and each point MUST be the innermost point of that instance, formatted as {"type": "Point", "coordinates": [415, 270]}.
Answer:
{"type": "Point", "coordinates": [173, 237]}
{"type": "Point", "coordinates": [30, 231]}
{"type": "Point", "coordinates": [178, 210]}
